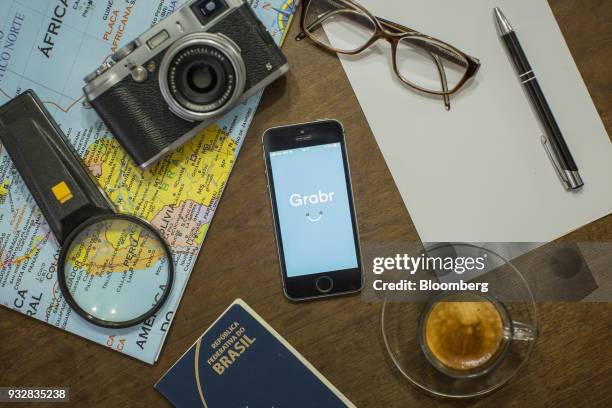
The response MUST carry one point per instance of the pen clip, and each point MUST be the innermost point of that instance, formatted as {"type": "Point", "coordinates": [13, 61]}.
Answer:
{"type": "Point", "coordinates": [555, 163]}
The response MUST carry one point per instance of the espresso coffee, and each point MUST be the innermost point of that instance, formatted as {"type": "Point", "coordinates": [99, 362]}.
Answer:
{"type": "Point", "coordinates": [464, 336]}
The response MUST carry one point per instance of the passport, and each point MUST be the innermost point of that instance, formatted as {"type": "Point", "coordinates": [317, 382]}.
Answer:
{"type": "Point", "coordinates": [241, 361]}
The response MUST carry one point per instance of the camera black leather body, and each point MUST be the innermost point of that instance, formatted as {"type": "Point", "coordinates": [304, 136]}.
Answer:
{"type": "Point", "coordinates": [158, 100]}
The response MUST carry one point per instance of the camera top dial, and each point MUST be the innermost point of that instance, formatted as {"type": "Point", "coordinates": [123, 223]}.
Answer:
{"type": "Point", "coordinates": [125, 50]}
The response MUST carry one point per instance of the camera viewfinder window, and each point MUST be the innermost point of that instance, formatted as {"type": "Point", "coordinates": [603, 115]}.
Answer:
{"type": "Point", "coordinates": [207, 9]}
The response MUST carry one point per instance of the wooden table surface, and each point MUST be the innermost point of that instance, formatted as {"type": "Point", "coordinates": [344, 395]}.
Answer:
{"type": "Point", "coordinates": [572, 361]}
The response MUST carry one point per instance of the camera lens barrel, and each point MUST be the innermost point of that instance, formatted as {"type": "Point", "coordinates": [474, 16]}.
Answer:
{"type": "Point", "coordinates": [201, 78]}
{"type": "Point", "coordinates": [201, 75]}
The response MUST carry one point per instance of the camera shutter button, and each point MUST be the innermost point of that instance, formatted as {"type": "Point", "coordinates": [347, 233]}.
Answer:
{"type": "Point", "coordinates": [139, 74]}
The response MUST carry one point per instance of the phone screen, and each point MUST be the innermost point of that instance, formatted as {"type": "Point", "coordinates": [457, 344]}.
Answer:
{"type": "Point", "coordinates": [314, 213]}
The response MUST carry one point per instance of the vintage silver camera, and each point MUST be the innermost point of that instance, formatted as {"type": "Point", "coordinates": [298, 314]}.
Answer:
{"type": "Point", "coordinates": [171, 82]}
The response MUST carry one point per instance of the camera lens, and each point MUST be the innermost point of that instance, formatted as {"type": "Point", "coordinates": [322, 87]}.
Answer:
{"type": "Point", "coordinates": [202, 75]}
{"type": "Point", "coordinates": [201, 82]}
{"type": "Point", "coordinates": [201, 78]}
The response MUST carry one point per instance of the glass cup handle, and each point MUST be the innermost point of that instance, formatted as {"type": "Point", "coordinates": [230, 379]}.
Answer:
{"type": "Point", "coordinates": [523, 332]}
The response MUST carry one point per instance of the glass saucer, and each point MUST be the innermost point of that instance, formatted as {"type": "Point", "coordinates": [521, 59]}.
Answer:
{"type": "Point", "coordinates": [401, 331]}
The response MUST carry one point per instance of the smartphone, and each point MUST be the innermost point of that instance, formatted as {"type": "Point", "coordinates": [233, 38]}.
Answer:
{"type": "Point", "coordinates": [312, 205]}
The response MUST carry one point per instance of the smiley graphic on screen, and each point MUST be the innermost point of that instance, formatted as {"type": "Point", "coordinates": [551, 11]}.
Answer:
{"type": "Point", "coordinates": [298, 200]}
{"type": "Point", "coordinates": [314, 218]}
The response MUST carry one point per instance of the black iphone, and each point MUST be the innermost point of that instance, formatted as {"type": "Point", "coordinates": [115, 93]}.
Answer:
{"type": "Point", "coordinates": [312, 204]}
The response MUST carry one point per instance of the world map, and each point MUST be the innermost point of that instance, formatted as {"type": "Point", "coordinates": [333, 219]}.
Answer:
{"type": "Point", "coordinates": [49, 46]}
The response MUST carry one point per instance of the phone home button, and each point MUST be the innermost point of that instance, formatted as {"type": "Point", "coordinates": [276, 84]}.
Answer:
{"type": "Point", "coordinates": [324, 284]}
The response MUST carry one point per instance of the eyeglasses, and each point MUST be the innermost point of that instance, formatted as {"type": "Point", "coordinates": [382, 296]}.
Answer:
{"type": "Point", "coordinates": [422, 62]}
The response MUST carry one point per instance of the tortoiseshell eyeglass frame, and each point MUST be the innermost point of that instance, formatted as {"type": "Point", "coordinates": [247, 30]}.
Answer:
{"type": "Point", "coordinates": [394, 33]}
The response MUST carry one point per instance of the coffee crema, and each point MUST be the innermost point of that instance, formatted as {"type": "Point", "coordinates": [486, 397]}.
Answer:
{"type": "Point", "coordinates": [464, 336]}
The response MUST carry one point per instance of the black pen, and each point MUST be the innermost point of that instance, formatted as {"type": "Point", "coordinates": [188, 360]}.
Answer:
{"type": "Point", "coordinates": [553, 142]}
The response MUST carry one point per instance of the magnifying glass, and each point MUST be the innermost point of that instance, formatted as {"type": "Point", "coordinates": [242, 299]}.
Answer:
{"type": "Point", "coordinates": [114, 270]}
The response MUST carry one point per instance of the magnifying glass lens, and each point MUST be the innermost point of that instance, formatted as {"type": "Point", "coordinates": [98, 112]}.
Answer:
{"type": "Point", "coordinates": [117, 270]}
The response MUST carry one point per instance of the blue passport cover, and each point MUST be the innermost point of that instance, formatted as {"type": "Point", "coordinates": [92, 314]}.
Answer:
{"type": "Point", "coordinates": [241, 361]}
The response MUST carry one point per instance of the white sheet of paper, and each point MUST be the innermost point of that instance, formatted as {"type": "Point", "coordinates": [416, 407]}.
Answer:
{"type": "Point", "coordinates": [479, 172]}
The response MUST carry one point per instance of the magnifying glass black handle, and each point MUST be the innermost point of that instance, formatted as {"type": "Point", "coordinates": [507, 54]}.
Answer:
{"type": "Point", "coordinates": [55, 176]}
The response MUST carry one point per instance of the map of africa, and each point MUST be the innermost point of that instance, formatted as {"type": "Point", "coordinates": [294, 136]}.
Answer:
{"type": "Point", "coordinates": [49, 46]}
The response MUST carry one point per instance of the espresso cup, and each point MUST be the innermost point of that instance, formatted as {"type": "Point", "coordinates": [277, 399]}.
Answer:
{"type": "Point", "coordinates": [462, 343]}
{"type": "Point", "coordinates": [467, 334]}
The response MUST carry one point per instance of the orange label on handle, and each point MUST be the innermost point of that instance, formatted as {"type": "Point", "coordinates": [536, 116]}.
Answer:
{"type": "Point", "coordinates": [62, 192]}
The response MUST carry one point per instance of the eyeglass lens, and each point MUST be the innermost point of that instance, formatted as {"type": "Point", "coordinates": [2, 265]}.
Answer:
{"type": "Point", "coordinates": [423, 63]}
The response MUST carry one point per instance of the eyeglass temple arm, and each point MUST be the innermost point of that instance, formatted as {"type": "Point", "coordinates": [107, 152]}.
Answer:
{"type": "Point", "coordinates": [430, 47]}
{"type": "Point", "coordinates": [389, 25]}
{"type": "Point", "coordinates": [320, 19]}
{"type": "Point", "coordinates": [434, 55]}
{"type": "Point", "coordinates": [396, 26]}
{"type": "Point", "coordinates": [440, 51]}
{"type": "Point", "coordinates": [443, 80]}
